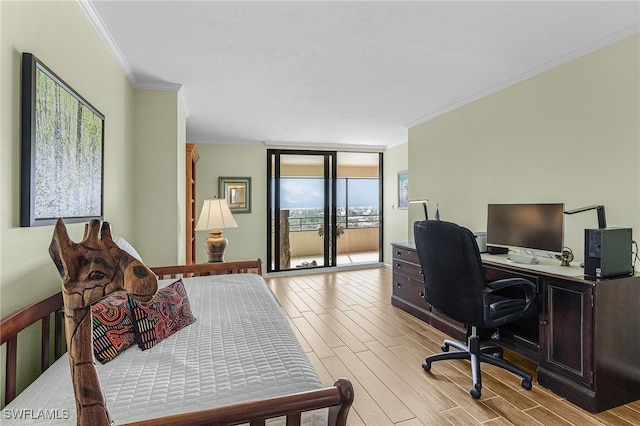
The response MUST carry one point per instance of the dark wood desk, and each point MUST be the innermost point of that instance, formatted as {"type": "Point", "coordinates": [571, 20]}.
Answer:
{"type": "Point", "coordinates": [586, 339]}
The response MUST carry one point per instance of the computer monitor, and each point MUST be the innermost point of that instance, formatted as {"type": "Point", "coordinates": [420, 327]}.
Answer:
{"type": "Point", "coordinates": [531, 227]}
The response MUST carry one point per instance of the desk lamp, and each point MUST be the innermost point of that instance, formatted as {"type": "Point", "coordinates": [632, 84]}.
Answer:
{"type": "Point", "coordinates": [602, 220]}
{"type": "Point", "coordinates": [424, 205]}
{"type": "Point", "coordinates": [215, 216]}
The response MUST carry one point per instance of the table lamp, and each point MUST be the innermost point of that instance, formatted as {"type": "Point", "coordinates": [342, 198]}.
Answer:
{"type": "Point", "coordinates": [215, 216]}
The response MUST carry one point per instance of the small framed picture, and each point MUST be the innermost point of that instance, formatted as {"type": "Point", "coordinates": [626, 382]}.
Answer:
{"type": "Point", "coordinates": [403, 189]}
{"type": "Point", "coordinates": [237, 192]}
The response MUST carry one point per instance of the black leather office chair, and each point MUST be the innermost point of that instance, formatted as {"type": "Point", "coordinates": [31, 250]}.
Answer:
{"type": "Point", "coordinates": [455, 284]}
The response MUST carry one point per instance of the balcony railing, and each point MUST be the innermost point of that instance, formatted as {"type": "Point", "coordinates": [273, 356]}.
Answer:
{"type": "Point", "coordinates": [353, 240]}
{"type": "Point", "coordinates": [312, 223]}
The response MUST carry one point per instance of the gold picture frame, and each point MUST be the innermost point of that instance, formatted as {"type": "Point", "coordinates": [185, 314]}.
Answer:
{"type": "Point", "coordinates": [237, 192]}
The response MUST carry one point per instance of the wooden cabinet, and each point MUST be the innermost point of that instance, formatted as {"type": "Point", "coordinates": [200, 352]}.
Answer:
{"type": "Point", "coordinates": [408, 291]}
{"type": "Point", "coordinates": [566, 325]}
{"type": "Point", "coordinates": [588, 334]}
{"type": "Point", "coordinates": [585, 340]}
{"type": "Point", "coordinates": [191, 214]}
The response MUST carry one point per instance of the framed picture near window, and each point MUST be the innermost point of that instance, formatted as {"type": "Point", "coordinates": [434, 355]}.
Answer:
{"type": "Point", "coordinates": [62, 150]}
{"type": "Point", "coordinates": [403, 190]}
{"type": "Point", "coordinates": [237, 192]}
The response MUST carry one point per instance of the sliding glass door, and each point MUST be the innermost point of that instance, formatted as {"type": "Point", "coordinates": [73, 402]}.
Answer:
{"type": "Point", "coordinates": [324, 209]}
{"type": "Point", "coordinates": [359, 213]}
{"type": "Point", "coordinates": [302, 207]}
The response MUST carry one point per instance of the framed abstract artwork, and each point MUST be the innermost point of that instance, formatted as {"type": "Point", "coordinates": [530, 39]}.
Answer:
{"type": "Point", "coordinates": [403, 190]}
{"type": "Point", "coordinates": [62, 150]}
{"type": "Point", "coordinates": [237, 192]}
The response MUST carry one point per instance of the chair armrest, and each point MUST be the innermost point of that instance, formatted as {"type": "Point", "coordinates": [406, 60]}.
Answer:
{"type": "Point", "coordinates": [511, 282]}
{"type": "Point", "coordinates": [530, 289]}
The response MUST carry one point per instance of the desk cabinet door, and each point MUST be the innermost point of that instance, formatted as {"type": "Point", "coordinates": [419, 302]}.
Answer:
{"type": "Point", "coordinates": [566, 330]}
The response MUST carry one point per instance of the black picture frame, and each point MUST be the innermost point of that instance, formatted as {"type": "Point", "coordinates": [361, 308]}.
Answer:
{"type": "Point", "coordinates": [62, 137]}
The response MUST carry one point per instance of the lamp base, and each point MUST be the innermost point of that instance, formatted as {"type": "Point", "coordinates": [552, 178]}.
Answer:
{"type": "Point", "coordinates": [216, 244]}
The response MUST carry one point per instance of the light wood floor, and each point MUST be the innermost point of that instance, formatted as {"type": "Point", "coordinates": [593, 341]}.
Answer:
{"type": "Point", "coordinates": [348, 327]}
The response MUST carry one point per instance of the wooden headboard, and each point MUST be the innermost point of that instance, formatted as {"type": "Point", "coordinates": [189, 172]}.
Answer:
{"type": "Point", "coordinates": [42, 311]}
{"type": "Point", "coordinates": [202, 269]}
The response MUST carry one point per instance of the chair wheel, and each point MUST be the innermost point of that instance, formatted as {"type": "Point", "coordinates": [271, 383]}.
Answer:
{"type": "Point", "coordinates": [426, 365]}
{"type": "Point", "coordinates": [475, 392]}
{"type": "Point", "coordinates": [526, 384]}
{"type": "Point", "coordinates": [445, 348]}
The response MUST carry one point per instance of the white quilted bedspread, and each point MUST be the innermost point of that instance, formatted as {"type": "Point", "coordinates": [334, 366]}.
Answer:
{"type": "Point", "coordinates": [240, 348]}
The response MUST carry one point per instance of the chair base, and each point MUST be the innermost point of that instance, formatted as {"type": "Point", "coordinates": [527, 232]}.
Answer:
{"type": "Point", "coordinates": [477, 354]}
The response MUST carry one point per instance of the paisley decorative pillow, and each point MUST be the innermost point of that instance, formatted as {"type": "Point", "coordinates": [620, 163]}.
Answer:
{"type": "Point", "coordinates": [112, 326]}
{"type": "Point", "coordinates": [168, 311]}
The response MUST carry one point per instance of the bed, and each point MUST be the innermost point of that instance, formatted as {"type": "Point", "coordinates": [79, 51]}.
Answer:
{"type": "Point", "coordinates": [239, 362]}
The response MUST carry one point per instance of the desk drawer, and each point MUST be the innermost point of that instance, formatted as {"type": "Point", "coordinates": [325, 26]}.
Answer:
{"type": "Point", "coordinates": [400, 253]}
{"type": "Point", "coordinates": [411, 269]}
{"type": "Point", "coordinates": [409, 290]}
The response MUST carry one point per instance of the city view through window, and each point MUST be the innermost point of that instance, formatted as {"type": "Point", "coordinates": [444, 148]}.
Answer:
{"type": "Point", "coordinates": [357, 203]}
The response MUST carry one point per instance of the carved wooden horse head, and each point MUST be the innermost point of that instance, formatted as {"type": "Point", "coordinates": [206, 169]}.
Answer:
{"type": "Point", "coordinates": [90, 270]}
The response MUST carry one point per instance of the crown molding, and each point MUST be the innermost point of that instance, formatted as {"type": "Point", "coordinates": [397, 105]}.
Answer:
{"type": "Point", "coordinates": [592, 47]}
{"type": "Point", "coordinates": [93, 16]}
{"type": "Point", "coordinates": [183, 101]}
{"type": "Point", "coordinates": [239, 143]}
{"type": "Point", "coordinates": [103, 32]}
{"type": "Point", "coordinates": [327, 145]}
{"type": "Point", "coordinates": [161, 87]}
{"type": "Point", "coordinates": [393, 145]}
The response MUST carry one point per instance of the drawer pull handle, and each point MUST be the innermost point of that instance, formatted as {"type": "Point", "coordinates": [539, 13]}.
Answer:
{"type": "Point", "coordinates": [398, 266]}
{"type": "Point", "coordinates": [398, 253]}
{"type": "Point", "coordinates": [421, 294]}
{"type": "Point", "coordinates": [544, 322]}
{"type": "Point", "coordinates": [398, 284]}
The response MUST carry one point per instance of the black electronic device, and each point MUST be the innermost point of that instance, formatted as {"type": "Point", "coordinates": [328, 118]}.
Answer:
{"type": "Point", "coordinates": [497, 250]}
{"type": "Point", "coordinates": [607, 252]}
{"type": "Point", "coordinates": [533, 227]}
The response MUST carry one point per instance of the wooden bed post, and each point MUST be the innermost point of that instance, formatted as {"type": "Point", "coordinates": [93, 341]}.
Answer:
{"type": "Point", "coordinates": [90, 270]}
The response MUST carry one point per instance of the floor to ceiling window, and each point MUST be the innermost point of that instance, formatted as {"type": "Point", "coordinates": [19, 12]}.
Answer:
{"type": "Point", "coordinates": [314, 191]}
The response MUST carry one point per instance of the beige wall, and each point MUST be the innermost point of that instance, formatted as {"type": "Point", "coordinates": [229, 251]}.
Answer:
{"type": "Point", "coordinates": [395, 220]}
{"type": "Point", "coordinates": [570, 135]}
{"type": "Point", "coordinates": [144, 167]}
{"type": "Point", "coordinates": [159, 177]}
{"type": "Point", "coordinates": [60, 35]}
{"type": "Point", "coordinates": [249, 239]}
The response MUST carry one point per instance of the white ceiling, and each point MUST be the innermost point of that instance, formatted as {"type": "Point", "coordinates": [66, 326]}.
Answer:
{"type": "Point", "coordinates": [343, 73]}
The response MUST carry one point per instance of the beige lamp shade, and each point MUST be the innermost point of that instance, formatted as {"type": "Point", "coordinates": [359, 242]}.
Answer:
{"type": "Point", "coordinates": [215, 215]}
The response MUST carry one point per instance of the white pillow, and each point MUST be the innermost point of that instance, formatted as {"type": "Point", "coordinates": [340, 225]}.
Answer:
{"type": "Point", "coordinates": [124, 245]}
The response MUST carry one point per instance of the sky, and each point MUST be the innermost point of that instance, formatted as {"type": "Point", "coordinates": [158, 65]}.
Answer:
{"type": "Point", "coordinates": [308, 193]}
